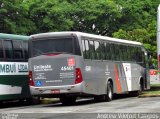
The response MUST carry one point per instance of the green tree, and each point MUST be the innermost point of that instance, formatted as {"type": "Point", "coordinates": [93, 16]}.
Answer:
{"type": "Point", "coordinates": [96, 17]}
{"type": "Point", "coordinates": [90, 16]}
{"type": "Point", "coordinates": [50, 15]}
{"type": "Point", "coordinates": [14, 17]}
{"type": "Point", "coordinates": [138, 22]}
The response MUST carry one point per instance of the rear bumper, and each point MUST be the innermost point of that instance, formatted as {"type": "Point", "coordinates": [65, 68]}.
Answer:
{"type": "Point", "coordinates": [65, 89]}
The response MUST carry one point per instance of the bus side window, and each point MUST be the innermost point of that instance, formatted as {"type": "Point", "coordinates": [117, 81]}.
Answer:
{"type": "Point", "coordinates": [8, 49]}
{"type": "Point", "coordinates": [121, 56]}
{"type": "Point", "coordinates": [129, 53]}
{"type": "Point", "coordinates": [25, 47]}
{"type": "Point", "coordinates": [18, 53]}
{"type": "Point", "coordinates": [91, 50]}
{"type": "Point", "coordinates": [117, 49]}
{"type": "Point", "coordinates": [108, 51]}
{"type": "Point", "coordinates": [140, 54]}
{"type": "Point", "coordinates": [125, 53]}
{"type": "Point", "coordinates": [133, 54]}
{"type": "Point", "coordinates": [87, 49]}
{"type": "Point", "coordinates": [112, 52]}
{"type": "Point", "coordinates": [97, 50]}
{"type": "Point", "coordinates": [83, 49]}
{"type": "Point", "coordinates": [103, 54]}
{"type": "Point", "coordinates": [1, 50]}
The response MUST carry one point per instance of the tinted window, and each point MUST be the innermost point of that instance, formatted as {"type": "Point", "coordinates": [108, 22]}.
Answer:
{"type": "Point", "coordinates": [87, 49]}
{"type": "Point", "coordinates": [91, 50]}
{"type": "Point", "coordinates": [139, 55]}
{"type": "Point", "coordinates": [1, 50]}
{"type": "Point", "coordinates": [25, 47]}
{"type": "Point", "coordinates": [121, 52]}
{"type": "Point", "coordinates": [66, 45]}
{"type": "Point", "coordinates": [116, 52]}
{"type": "Point", "coordinates": [103, 51]}
{"type": "Point", "coordinates": [83, 48]}
{"type": "Point", "coordinates": [97, 50]}
{"type": "Point", "coordinates": [8, 49]}
{"type": "Point", "coordinates": [108, 51]}
{"type": "Point", "coordinates": [18, 52]}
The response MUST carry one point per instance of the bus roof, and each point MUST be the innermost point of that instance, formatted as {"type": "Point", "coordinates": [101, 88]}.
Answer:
{"type": "Point", "coordinates": [106, 38]}
{"type": "Point", "coordinates": [13, 36]}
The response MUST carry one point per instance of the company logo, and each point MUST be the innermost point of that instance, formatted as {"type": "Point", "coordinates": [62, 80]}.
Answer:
{"type": "Point", "coordinates": [13, 68]}
{"type": "Point", "coordinates": [22, 68]}
{"type": "Point", "coordinates": [7, 68]}
{"type": "Point", "coordinates": [42, 68]}
{"type": "Point", "coordinates": [71, 62]}
{"type": "Point", "coordinates": [88, 68]}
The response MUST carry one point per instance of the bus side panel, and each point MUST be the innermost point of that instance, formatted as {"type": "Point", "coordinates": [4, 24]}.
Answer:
{"type": "Point", "coordinates": [121, 78]}
{"type": "Point", "coordinates": [14, 87]}
{"type": "Point", "coordinates": [125, 76]}
{"type": "Point", "coordinates": [136, 73]}
{"type": "Point", "coordinates": [90, 77]}
{"type": "Point", "coordinates": [97, 74]}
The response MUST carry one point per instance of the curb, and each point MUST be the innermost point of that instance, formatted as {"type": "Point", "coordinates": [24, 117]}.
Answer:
{"type": "Point", "coordinates": [49, 100]}
{"type": "Point", "coordinates": [144, 96]}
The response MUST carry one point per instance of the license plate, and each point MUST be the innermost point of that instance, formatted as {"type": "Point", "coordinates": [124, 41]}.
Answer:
{"type": "Point", "coordinates": [55, 91]}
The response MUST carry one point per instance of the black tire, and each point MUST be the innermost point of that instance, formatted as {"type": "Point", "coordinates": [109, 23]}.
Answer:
{"type": "Point", "coordinates": [108, 96]}
{"type": "Point", "coordinates": [33, 100]}
{"type": "Point", "coordinates": [140, 88]}
{"type": "Point", "coordinates": [137, 93]}
{"type": "Point", "coordinates": [109, 92]}
{"type": "Point", "coordinates": [68, 100]}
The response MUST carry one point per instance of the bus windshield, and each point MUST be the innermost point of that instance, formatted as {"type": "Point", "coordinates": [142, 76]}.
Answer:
{"type": "Point", "coordinates": [54, 45]}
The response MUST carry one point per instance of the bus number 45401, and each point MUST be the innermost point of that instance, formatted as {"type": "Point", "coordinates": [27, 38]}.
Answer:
{"type": "Point", "coordinates": [67, 68]}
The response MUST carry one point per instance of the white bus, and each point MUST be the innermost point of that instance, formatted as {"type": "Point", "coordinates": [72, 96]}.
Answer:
{"type": "Point", "coordinates": [71, 64]}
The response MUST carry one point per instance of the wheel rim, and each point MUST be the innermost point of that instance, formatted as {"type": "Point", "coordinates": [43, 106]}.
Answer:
{"type": "Point", "coordinates": [109, 92]}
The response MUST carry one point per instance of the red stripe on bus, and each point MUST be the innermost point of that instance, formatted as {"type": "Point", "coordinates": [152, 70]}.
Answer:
{"type": "Point", "coordinates": [117, 79]}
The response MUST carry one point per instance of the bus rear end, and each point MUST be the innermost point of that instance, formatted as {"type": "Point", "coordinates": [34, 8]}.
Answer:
{"type": "Point", "coordinates": [55, 65]}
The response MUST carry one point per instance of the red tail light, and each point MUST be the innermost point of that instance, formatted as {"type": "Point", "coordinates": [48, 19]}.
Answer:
{"type": "Point", "coordinates": [79, 78]}
{"type": "Point", "coordinates": [31, 82]}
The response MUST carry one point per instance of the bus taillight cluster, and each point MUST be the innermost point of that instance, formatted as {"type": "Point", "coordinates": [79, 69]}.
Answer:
{"type": "Point", "coordinates": [79, 78]}
{"type": "Point", "coordinates": [31, 82]}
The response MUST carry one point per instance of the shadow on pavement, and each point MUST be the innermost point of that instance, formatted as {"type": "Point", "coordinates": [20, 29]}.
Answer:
{"type": "Point", "coordinates": [88, 101]}
{"type": "Point", "coordinates": [81, 101]}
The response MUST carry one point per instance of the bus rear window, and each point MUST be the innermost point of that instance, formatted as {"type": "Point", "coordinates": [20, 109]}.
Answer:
{"type": "Point", "coordinates": [54, 45]}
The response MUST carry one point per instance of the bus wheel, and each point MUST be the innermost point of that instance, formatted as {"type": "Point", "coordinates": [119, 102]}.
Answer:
{"type": "Point", "coordinates": [138, 92]}
{"type": "Point", "coordinates": [140, 88]}
{"type": "Point", "coordinates": [109, 95]}
{"type": "Point", "coordinates": [68, 100]}
{"type": "Point", "coordinates": [33, 100]}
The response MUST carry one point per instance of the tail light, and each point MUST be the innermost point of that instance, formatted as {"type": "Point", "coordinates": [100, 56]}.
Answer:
{"type": "Point", "coordinates": [31, 82]}
{"type": "Point", "coordinates": [79, 78]}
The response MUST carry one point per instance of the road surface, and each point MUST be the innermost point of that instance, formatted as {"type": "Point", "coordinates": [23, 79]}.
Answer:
{"type": "Point", "coordinates": [84, 108]}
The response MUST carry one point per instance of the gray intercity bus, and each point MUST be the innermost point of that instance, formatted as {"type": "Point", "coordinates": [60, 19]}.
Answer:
{"type": "Point", "coordinates": [71, 64]}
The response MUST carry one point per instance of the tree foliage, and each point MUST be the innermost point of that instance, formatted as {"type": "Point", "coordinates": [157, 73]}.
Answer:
{"type": "Point", "coordinates": [14, 17]}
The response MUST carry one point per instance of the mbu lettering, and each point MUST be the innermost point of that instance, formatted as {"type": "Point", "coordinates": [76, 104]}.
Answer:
{"type": "Point", "coordinates": [7, 68]}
